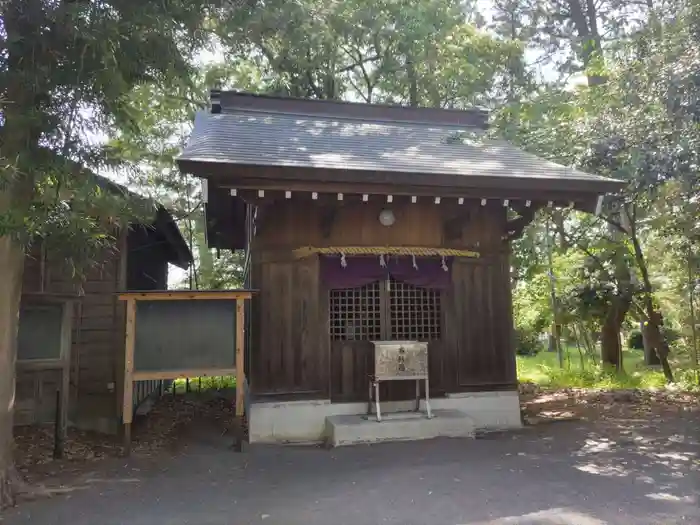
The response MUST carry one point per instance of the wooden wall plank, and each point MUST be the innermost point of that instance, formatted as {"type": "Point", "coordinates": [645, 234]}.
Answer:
{"type": "Point", "coordinates": [323, 341]}
{"type": "Point", "coordinates": [287, 334]}
{"type": "Point", "coordinates": [308, 366]}
{"type": "Point", "coordinates": [508, 329]}
{"type": "Point", "coordinates": [357, 224]}
{"type": "Point", "coordinates": [91, 355]}
{"type": "Point", "coordinates": [286, 357]}
{"type": "Point", "coordinates": [482, 308]}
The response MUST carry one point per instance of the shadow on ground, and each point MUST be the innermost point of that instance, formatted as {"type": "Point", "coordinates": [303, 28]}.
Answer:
{"type": "Point", "coordinates": [627, 471]}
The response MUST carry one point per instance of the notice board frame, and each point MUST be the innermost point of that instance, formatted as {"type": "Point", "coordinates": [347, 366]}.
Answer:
{"type": "Point", "coordinates": [130, 375]}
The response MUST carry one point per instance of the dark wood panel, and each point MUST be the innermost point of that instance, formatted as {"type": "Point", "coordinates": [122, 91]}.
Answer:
{"type": "Point", "coordinates": [281, 342]}
{"type": "Point", "coordinates": [325, 370]}
{"type": "Point", "coordinates": [436, 367]}
{"type": "Point", "coordinates": [454, 332]}
{"type": "Point", "coordinates": [481, 325]}
{"type": "Point", "coordinates": [97, 324]}
{"type": "Point", "coordinates": [507, 354]}
{"type": "Point", "coordinates": [351, 367]}
{"type": "Point", "coordinates": [289, 224]}
{"type": "Point", "coordinates": [267, 352]}
{"type": "Point", "coordinates": [258, 359]}
{"type": "Point", "coordinates": [35, 399]}
{"type": "Point", "coordinates": [310, 371]}
{"type": "Point", "coordinates": [287, 355]}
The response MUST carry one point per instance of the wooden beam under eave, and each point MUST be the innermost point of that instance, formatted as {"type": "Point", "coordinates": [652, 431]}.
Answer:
{"type": "Point", "coordinates": [507, 187]}
{"type": "Point", "coordinates": [536, 192]}
{"type": "Point", "coordinates": [248, 190]}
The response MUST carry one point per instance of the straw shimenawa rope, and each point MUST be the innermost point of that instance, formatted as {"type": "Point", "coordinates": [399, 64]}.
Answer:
{"type": "Point", "coordinates": [419, 251]}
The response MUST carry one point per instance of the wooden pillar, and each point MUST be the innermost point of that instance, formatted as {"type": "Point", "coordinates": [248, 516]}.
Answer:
{"type": "Point", "coordinates": [63, 398]}
{"type": "Point", "coordinates": [128, 401]}
{"type": "Point", "coordinates": [240, 373]}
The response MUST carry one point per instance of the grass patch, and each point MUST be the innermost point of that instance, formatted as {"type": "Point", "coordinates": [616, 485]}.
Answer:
{"type": "Point", "coordinates": [543, 369]}
{"type": "Point", "coordinates": [202, 384]}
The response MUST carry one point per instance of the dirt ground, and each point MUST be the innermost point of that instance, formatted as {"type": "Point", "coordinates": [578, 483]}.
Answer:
{"type": "Point", "coordinates": [583, 458]}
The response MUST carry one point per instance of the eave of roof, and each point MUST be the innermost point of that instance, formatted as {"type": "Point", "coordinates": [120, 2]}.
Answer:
{"type": "Point", "coordinates": [163, 221]}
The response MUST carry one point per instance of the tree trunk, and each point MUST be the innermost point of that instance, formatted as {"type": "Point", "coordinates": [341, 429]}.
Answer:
{"type": "Point", "coordinates": [559, 229]}
{"type": "Point", "coordinates": [11, 269]}
{"type": "Point", "coordinates": [610, 348]}
{"type": "Point", "coordinates": [21, 136]}
{"type": "Point", "coordinates": [654, 320]}
{"type": "Point", "coordinates": [620, 304]}
{"type": "Point", "coordinates": [585, 21]}
{"type": "Point", "coordinates": [412, 82]}
{"type": "Point", "coordinates": [650, 357]}
{"type": "Point", "coordinates": [658, 342]}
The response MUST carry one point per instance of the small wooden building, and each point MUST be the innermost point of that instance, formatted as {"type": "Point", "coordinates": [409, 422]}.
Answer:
{"type": "Point", "coordinates": [364, 223]}
{"type": "Point", "coordinates": [97, 322]}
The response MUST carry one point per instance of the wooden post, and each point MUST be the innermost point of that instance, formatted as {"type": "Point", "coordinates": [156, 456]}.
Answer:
{"type": "Point", "coordinates": [63, 398]}
{"type": "Point", "coordinates": [240, 373]}
{"type": "Point", "coordinates": [58, 437]}
{"type": "Point", "coordinates": [127, 407]}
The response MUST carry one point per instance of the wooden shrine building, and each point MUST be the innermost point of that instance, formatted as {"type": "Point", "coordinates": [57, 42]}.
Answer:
{"type": "Point", "coordinates": [364, 223]}
{"type": "Point", "coordinates": [82, 324]}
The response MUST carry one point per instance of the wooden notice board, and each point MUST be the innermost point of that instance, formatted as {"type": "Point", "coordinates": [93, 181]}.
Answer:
{"type": "Point", "coordinates": [183, 333]}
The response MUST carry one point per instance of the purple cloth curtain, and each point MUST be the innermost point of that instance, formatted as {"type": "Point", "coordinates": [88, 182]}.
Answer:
{"type": "Point", "coordinates": [364, 269]}
{"type": "Point", "coordinates": [428, 274]}
{"type": "Point", "coordinates": [359, 271]}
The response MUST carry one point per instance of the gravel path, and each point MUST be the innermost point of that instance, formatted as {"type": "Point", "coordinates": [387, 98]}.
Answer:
{"type": "Point", "coordinates": [630, 472]}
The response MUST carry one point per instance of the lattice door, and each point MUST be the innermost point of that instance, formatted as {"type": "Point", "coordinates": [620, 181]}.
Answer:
{"type": "Point", "coordinates": [382, 310]}
{"type": "Point", "coordinates": [414, 312]}
{"type": "Point", "coordinates": [388, 310]}
{"type": "Point", "coordinates": [356, 313]}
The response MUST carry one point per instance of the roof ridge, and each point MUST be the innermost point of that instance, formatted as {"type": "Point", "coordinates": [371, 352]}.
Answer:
{"type": "Point", "coordinates": [345, 118]}
{"type": "Point", "coordinates": [224, 101]}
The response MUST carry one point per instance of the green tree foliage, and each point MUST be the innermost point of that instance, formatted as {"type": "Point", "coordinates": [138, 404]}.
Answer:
{"type": "Point", "coordinates": [67, 71]}
{"type": "Point", "coordinates": [416, 53]}
{"type": "Point", "coordinates": [639, 126]}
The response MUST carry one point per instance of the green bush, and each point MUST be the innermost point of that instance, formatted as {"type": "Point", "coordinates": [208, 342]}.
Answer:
{"type": "Point", "coordinates": [688, 380]}
{"type": "Point", "coordinates": [635, 341]}
{"type": "Point", "coordinates": [527, 342]}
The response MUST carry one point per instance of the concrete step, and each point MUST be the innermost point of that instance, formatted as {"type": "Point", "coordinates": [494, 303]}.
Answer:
{"type": "Point", "coordinates": [397, 426]}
